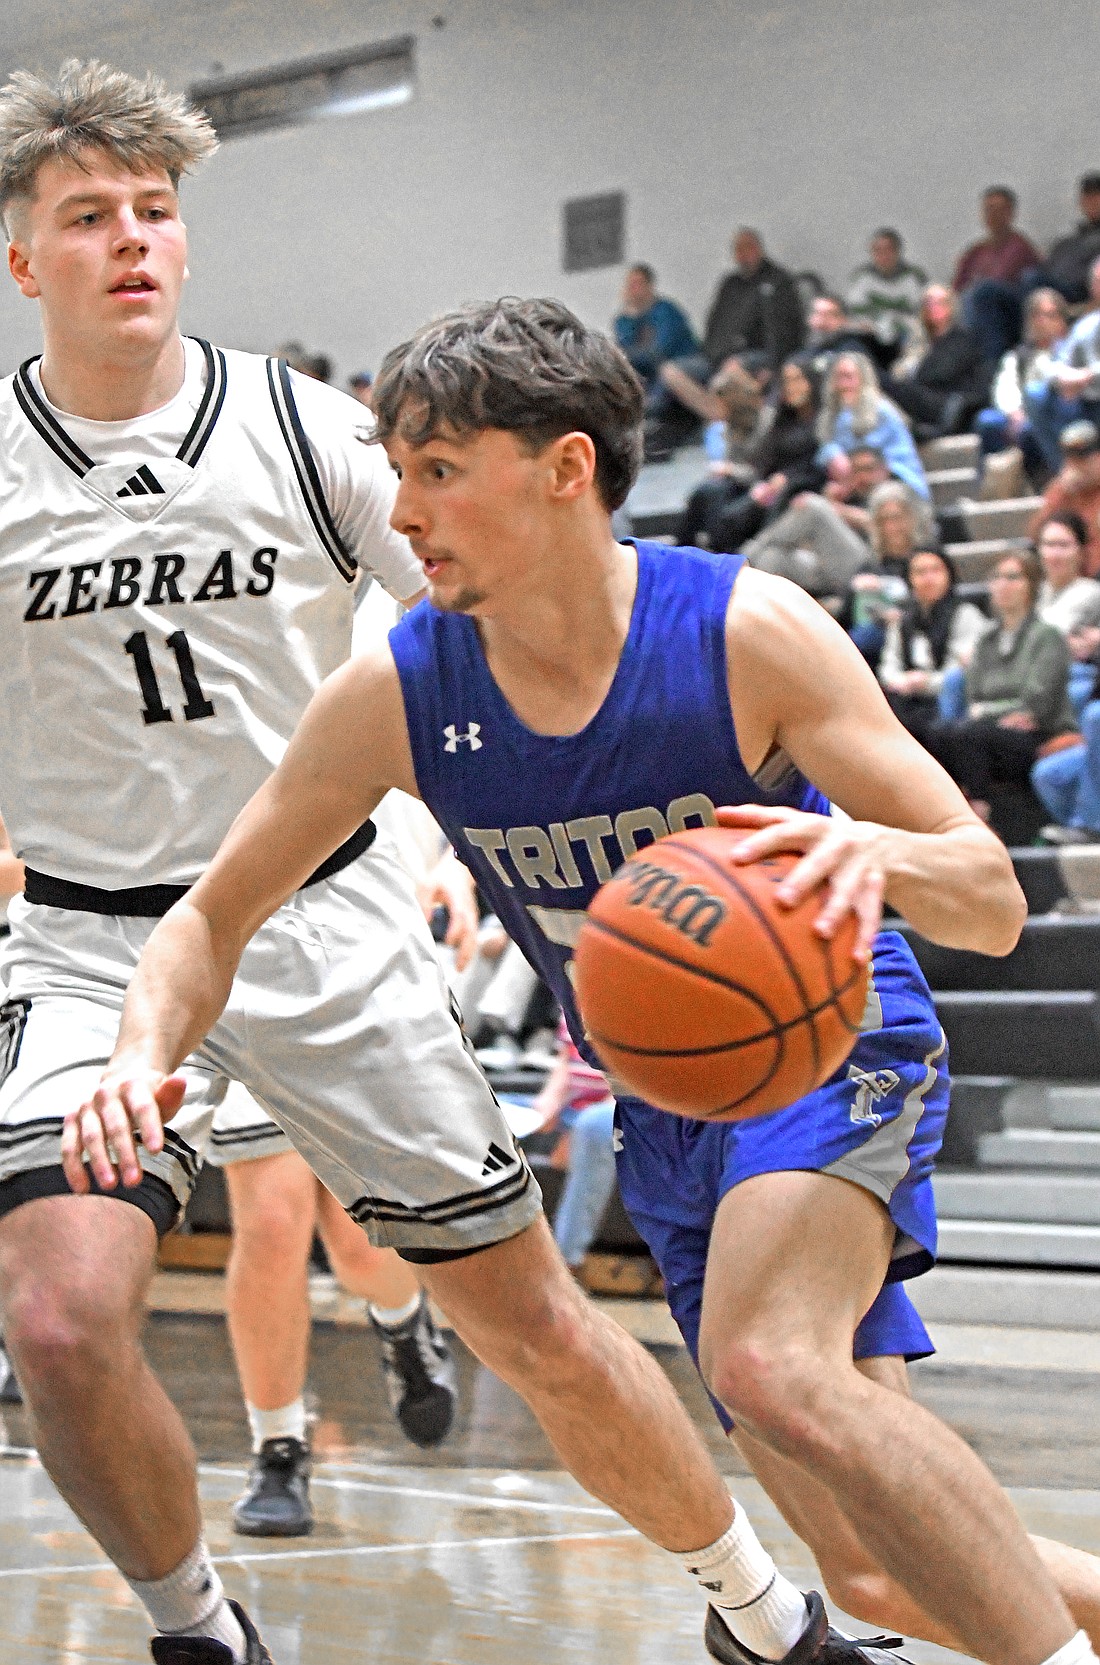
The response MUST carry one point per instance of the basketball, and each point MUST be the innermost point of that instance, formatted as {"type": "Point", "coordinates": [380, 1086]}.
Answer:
{"type": "Point", "coordinates": [702, 994]}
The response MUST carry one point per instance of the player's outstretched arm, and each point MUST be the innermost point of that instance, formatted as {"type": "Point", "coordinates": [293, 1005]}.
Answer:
{"type": "Point", "coordinates": [349, 749]}
{"type": "Point", "coordinates": [797, 682]}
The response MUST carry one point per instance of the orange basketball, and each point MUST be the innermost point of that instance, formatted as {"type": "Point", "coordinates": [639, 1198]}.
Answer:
{"type": "Point", "coordinates": [702, 994]}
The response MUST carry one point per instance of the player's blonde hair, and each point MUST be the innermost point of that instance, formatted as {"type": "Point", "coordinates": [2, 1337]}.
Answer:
{"type": "Point", "coordinates": [134, 120]}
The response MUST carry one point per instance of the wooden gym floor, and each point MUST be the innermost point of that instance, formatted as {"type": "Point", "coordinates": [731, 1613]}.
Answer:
{"type": "Point", "coordinates": [482, 1552]}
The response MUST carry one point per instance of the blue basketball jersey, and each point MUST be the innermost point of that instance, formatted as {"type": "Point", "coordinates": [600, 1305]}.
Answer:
{"type": "Point", "coordinates": [543, 820]}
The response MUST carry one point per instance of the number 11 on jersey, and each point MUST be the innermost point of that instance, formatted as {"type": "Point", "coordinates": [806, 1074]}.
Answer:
{"type": "Point", "coordinates": [153, 709]}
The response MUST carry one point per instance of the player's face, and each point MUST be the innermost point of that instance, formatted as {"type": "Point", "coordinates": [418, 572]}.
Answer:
{"type": "Point", "coordinates": [104, 251]}
{"type": "Point", "coordinates": [473, 509]}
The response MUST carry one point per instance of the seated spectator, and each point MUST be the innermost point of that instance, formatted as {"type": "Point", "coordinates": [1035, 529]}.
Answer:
{"type": "Point", "coordinates": [1070, 261]}
{"type": "Point", "coordinates": [899, 524]}
{"type": "Point", "coordinates": [1067, 783]}
{"type": "Point", "coordinates": [1016, 695]}
{"type": "Point", "coordinates": [1024, 375]}
{"type": "Point", "coordinates": [576, 1098]}
{"type": "Point", "coordinates": [943, 381]}
{"type": "Point", "coordinates": [829, 331]}
{"type": "Point", "coordinates": [884, 295]}
{"type": "Point", "coordinates": [1078, 369]}
{"type": "Point", "coordinates": [1076, 489]}
{"type": "Point", "coordinates": [988, 275]}
{"type": "Point", "coordinates": [756, 309]}
{"type": "Point", "coordinates": [930, 635]}
{"type": "Point", "coordinates": [1070, 601]}
{"type": "Point", "coordinates": [782, 460]}
{"type": "Point", "coordinates": [650, 328]}
{"type": "Point", "coordinates": [361, 387]}
{"type": "Point", "coordinates": [855, 412]}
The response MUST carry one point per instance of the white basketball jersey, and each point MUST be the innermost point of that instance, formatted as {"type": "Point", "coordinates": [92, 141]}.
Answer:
{"type": "Point", "coordinates": [170, 604]}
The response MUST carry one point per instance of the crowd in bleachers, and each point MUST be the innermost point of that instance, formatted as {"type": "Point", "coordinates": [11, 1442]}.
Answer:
{"type": "Point", "coordinates": [829, 422]}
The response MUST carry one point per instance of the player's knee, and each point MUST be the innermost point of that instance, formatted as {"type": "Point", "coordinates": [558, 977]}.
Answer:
{"type": "Point", "coordinates": [64, 1333]}
{"type": "Point", "coordinates": [773, 1390]}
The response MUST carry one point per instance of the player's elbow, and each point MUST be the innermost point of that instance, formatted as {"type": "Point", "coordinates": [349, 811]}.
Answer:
{"type": "Point", "coordinates": [1005, 923]}
{"type": "Point", "coordinates": [997, 916]}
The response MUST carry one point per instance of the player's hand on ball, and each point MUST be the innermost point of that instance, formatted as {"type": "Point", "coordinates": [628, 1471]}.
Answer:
{"type": "Point", "coordinates": [845, 854]}
{"type": "Point", "coordinates": [100, 1135]}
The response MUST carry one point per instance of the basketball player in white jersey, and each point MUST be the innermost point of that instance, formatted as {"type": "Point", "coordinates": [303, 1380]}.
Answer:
{"type": "Point", "coordinates": [179, 532]}
{"type": "Point", "coordinates": [516, 431]}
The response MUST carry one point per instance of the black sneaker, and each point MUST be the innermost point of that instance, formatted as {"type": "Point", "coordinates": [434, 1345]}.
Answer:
{"type": "Point", "coordinates": [204, 1650]}
{"type": "Point", "coordinates": [819, 1643]}
{"type": "Point", "coordinates": [10, 1391]}
{"type": "Point", "coordinates": [420, 1376]}
{"type": "Point", "coordinates": [276, 1504]}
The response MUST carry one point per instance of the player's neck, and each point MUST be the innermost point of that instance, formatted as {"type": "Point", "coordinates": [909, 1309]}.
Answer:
{"type": "Point", "coordinates": [554, 648]}
{"type": "Point", "coordinates": [106, 387]}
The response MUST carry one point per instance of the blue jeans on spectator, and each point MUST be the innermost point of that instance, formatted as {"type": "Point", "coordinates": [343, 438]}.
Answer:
{"type": "Point", "coordinates": [995, 433]}
{"type": "Point", "coordinates": [1048, 413]}
{"type": "Point", "coordinates": [1068, 783]}
{"type": "Point", "coordinates": [1082, 682]}
{"type": "Point", "coordinates": [953, 695]}
{"type": "Point", "coordinates": [590, 1180]}
{"type": "Point", "coordinates": [992, 311]}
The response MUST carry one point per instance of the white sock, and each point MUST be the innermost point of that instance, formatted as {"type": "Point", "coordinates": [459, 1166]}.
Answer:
{"type": "Point", "coordinates": [392, 1318]}
{"type": "Point", "coordinates": [762, 1608]}
{"type": "Point", "coordinates": [191, 1602]}
{"type": "Point", "coordinates": [288, 1422]}
{"type": "Point", "coordinates": [1077, 1651]}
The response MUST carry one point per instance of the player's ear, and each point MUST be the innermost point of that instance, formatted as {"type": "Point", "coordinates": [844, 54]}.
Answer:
{"type": "Point", "coordinates": [19, 267]}
{"type": "Point", "coordinates": [573, 460]}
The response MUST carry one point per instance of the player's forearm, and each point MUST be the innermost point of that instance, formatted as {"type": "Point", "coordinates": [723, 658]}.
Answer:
{"type": "Point", "coordinates": [957, 887]}
{"type": "Point", "coordinates": [178, 991]}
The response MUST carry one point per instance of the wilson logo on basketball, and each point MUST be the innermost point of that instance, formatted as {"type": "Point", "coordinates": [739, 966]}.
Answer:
{"type": "Point", "coordinates": [688, 908]}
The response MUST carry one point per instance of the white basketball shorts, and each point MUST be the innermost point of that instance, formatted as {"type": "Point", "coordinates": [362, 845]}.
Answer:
{"type": "Point", "coordinates": [339, 1024]}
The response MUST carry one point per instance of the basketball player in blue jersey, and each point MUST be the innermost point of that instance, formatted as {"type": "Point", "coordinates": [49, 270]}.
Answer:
{"type": "Point", "coordinates": [181, 531]}
{"type": "Point", "coordinates": [561, 700]}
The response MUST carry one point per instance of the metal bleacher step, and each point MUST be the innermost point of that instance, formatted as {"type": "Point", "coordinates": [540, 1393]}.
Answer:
{"type": "Point", "coordinates": [1036, 1198]}
{"type": "Point", "coordinates": [1055, 952]}
{"type": "Point", "coordinates": [1019, 1243]}
{"type": "Point", "coordinates": [1033, 1147]}
{"type": "Point", "coordinates": [1042, 1300]}
{"type": "Point", "coordinates": [953, 451]}
{"type": "Point", "coordinates": [975, 560]}
{"type": "Point", "coordinates": [1033, 1035]}
{"type": "Point", "coordinates": [1004, 517]}
{"type": "Point", "coordinates": [1058, 1106]}
{"type": "Point", "coordinates": [1056, 878]}
{"type": "Point", "coordinates": [948, 485]}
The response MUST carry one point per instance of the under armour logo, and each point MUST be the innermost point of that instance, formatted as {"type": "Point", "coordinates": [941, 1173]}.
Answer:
{"type": "Point", "coordinates": [470, 738]}
{"type": "Point", "coordinates": [617, 1141]}
{"type": "Point", "coordinates": [142, 484]}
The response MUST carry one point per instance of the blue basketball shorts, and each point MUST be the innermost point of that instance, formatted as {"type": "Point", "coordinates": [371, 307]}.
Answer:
{"type": "Point", "coordinates": [877, 1122]}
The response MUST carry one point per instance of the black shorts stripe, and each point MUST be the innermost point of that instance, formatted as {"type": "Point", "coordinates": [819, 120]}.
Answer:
{"type": "Point", "coordinates": [286, 412]}
{"type": "Point", "coordinates": [13, 1021]}
{"type": "Point", "coordinates": [29, 1133]}
{"type": "Point", "coordinates": [253, 1134]}
{"type": "Point", "coordinates": [467, 1207]}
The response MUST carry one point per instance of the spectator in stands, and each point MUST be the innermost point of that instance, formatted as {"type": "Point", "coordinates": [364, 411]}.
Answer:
{"type": "Point", "coordinates": [1016, 698]}
{"type": "Point", "coordinates": [1076, 488]}
{"type": "Point", "coordinates": [361, 387]}
{"type": "Point", "coordinates": [943, 381]}
{"type": "Point", "coordinates": [930, 635]}
{"type": "Point", "coordinates": [855, 412]}
{"type": "Point", "coordinates": [884, 295]}
{"type": "Point", "coordinates": [1024, 379]}
{"type": "Point", "coordinates": [576, 1098]}
{"type": "Point", "coordinates": [1068, 600]}
{"type": "Point", "coordinates": [1067, 783]}
{"type": "Point", "coordinates": [649, 327]}
{"type": "Point", "coordinates": [1071, 259]}
{"type": "Point", "coordinates": [783, 461]}
{"type": "Point", "coordinates": [756, 309]}
{"type": "Point", "coordinates": [829, 331]}
{"type": "Point", "coordinates": [1073, 389]}
{"type": "Point", "coordinates": [899, 524]}
{"type": "Point", "coordinates": [988, 275]}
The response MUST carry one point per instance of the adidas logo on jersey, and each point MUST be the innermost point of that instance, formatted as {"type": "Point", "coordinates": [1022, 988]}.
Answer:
{"type": "Point", "coordinates": [142, 484]}
{"type": "Point", "coordinates": [496, 1160]}
{"type": "Point", "coordinates": [470, 738]}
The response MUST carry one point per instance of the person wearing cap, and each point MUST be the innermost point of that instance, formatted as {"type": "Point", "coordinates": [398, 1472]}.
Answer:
{"type": "Point", "coordinates": [360, 385]}
{"type": "Point", "coordinates": [1076, 488]}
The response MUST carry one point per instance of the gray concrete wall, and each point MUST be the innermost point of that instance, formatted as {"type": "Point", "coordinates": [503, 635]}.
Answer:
{"type": "Point", "coordinates": [814, 119]}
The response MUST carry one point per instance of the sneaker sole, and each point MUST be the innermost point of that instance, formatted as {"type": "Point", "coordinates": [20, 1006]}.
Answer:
{"type": "Point", "coordinates": [271, 1529]}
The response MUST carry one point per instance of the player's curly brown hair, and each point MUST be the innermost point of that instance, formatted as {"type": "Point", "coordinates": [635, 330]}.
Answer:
{"type": "Point", "coordinates": [134, 120]}
{"type": "Point", "coordinates": [527, 366]}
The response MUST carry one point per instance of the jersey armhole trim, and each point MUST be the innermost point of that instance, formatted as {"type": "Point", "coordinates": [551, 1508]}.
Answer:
{"type": "Point", "coordinates": [286, 411]}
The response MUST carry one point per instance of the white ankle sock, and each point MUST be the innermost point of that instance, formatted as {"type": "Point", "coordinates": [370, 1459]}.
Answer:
{"type": "Point", "coordinates": [1077, 1651]}
{"type": "Point", "coordinates": [191, 1602]}
{"type": "Point", "coordinates": [762, 1608]}
{"type": "Point", "coordinates": [288, 1422]}
{"type": "Point", "coordinates": [392, 1318]}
